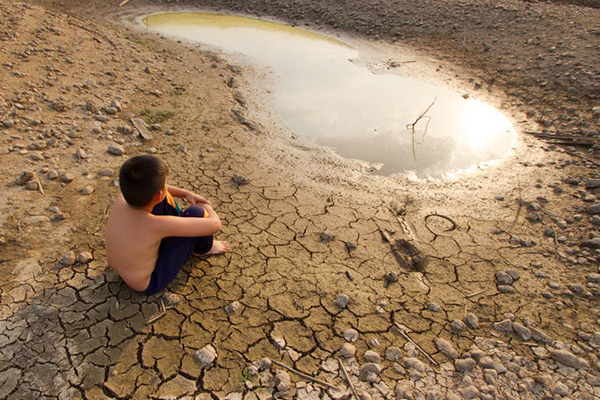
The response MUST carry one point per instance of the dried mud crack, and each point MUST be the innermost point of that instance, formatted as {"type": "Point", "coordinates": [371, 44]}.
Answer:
{"type": "Point", "coordinates": [506, 306]}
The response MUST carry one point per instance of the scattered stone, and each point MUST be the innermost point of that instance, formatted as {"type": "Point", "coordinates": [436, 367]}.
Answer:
{"type": "Point", "coordinates": [504, 326]}
{"type": "Point", "coordinates": [348, 350]}
{"type": "Point", "coordinates": [502, 278]}
{"type": "Point", "coordinates": [506, 289]}
{"type": "Point", "coordinates": [591, 243]}
{"type": "Point", "coordinates": [446, 347]}
{"type": "Point", "coordinates": [330, 365]}
{"type": "Point", "coordinates": [521, 330]}
{"type": "Point", "coordinates": [171, 299]}
{"type": "Point", "coordinates": [457, 326]}
{"type": "Point", "coordinates": [370, 372]}
{"type": "Point", "coordinates": [465, 364]}
{"type": "Point", "coordinates": [84, 257]}
{"type": "Point", "coordinates": [67, 178]}
{"type": "Point", "coordinates": [106, 172]}
{"type": "Point", "coordinates": [86, 191]}
{"type": "Point", "coordinates": [326, 237]}
{"type": "Point", "coordinates": [434, 307]}
{"type": "Point", "coordinates": [239, 179]}
{"type": "Point", "coordinates": [342, 300]}
{"type": "Point", "coordinates": [371, 357]}
{"type": "Point", "coordinates": [350, 335]}
{"type": "Point", "coordinates": [116, 150]}
{"type": "Point", "coordinates": [560, 389]}
{"type": "Point", "coordinates": [206, 356]}
{"type": "Point", "coordinates": [393, 354]}
{"type": "Point", "coordinates": [569, 359]}
{"type": "Point", "coordinates": [593, 278]}
{"type": "Point", "coordinates": [52, 174]}
{"type": "Point", "coordinates": [413, 362]}
{"type": "Point", "coordinates": [68, 258]}
{"type": "Point", "coordinates": [282, 381]}
{"type": "Point", "coordinates": [472, 321]}
{"type": "Point", "coordinates": [540, 336]}
{"type": "Point", "coordinates": [24, 177]}
{"type": "Point", "coordinates": [231, 308]}
{"type": "Point", "coordinates": [595, 209]}
{"type": "Point", "coordinates": [391, 277]}
{"type": "Point", "coordinates": [350, 246]}
{"type": "Point", "coordinates": [405, 390]}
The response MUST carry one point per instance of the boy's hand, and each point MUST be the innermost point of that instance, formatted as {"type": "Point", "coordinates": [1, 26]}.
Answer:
{"type": "Point", "coordinates": [195, 199]}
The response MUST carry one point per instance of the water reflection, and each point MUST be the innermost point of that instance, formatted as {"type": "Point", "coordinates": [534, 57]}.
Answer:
{"type": "Point", "coordinates": [327, 99]}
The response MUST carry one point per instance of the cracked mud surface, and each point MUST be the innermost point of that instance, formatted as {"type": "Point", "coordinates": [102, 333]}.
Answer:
{"type": "Point", "coordinates": [74, 330]}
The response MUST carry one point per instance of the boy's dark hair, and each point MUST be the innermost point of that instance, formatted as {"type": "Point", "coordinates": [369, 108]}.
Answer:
{"type": "Point", "coordinates": [140, 179]}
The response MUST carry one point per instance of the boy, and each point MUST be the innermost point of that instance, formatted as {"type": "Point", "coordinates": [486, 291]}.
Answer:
{"type": "Point", "coordinates": [148, 240]}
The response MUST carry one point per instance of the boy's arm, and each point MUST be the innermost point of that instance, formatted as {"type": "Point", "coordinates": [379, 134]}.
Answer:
{"type": "Point", "coordinates": [192, 198]}
{"type": "Point", "coordinates": [189, 227]}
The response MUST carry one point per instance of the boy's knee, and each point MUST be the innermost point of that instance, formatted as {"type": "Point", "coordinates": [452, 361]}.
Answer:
{"type": "Point", "coordinates": [193, 211]}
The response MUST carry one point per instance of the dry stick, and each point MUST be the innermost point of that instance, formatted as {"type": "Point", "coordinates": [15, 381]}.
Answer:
{"type": "Point", "coordinates": [39, 183]}
{"type": "Point", "coordinates": [348, 379]}
{"type": "Point", "coordinates": [305, 376]}
{"type": "Point", "coordinates": [406, 337]}
{"type": "Point", "coordinates": [124, 2]}
{"type": "Point", "coordinates": [412, 127]}
{"type": "Point", "coordinates": [520, 203]}
{"type": "Point", "coordinates": [155, 317]}
{"type": "Point", "coordinates": [198, 69]}
{"type": "Point", "coordinates": [582, 157]}
{"type": "Point", "coordinates": [474, 294]}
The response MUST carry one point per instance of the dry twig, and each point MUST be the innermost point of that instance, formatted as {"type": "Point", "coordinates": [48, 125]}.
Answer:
{"type": "Point", "coordinates": [305, 376]}
{"type": "Point", "coordinates": [124, 2]}
{"type": "Point", "coordinates": [406, 337]}
{"type": "Point", "coordinates": [412, 127]}
{"type": "Point", "coordinates": [39, 183]}
{"type": "Point", "coordinates": [348, 379]}
{"type": "Point", "coordinates": [95, 33]}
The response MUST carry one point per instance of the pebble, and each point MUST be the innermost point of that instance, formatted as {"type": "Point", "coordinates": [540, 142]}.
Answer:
{"type": "Point", "coordinates": [206, 356]}
{"type": "Point", "coordinates": [434, 307]}
{"type": "Point", "coordinates": [278, 342]}
{"type": "Point", "coordinates": [391, 277]}
{"type": "Point", "coordinates": [24, 177]}
{"type": "Point", "coordinates": [350, 335]}
{"type": "Point", "coordinates": [472, 321]}
{"type": "Point", "coordinates": [404, 390]}
{"type": "Point", "coordinates": [370, 372]}
{"type": "Point", "coordinates": [506, 289]}
{"type": "Point", "coordinates": [540, 336]}
{"type": "Point", "coordinates": [171, 299]}
{"type": "Point", "coordinates": [231, 308]}
{"type": "Point", "coordinates": [504, 326]}
{"type": "Point", "coordinates": [106, 172]}
{"type": "Point", "coordinates": [348, 350]}
{"type": "Point", "coordinates": [342, 300]}
{"type": "Point", "coordinates": [457, 326]}
{"type": "Point", "coordinates": [239, 179]}
{"type": "Point", "coordinates": [326, 237]}
{"type": "Point", "coordinates": [413, 362]}
{"type": "Point", "coordinates": [52, 174]}
{"type": "Point", "coordinates": [446, 347]}
{"type": "Point", "coordinates": [371, 356]}
{"type": "Point", "coordinates": [68, 258]}
{"type": "Point", "coordinates": [86, 191]}
{"type": "Point", "coordinates": [502, 278]}
{"type": "Point", "coordinates": [595, 209]}
{"type": "Point", "coordinates": [263, 364]}
{"type": "Point", "coordinates": [67, 178]}
{"type": "Point", "coordinates": [393, 354]}
{"type": "Point", "coordinates": [84, 257]}
{"type": "Point", "coordinates": [116, 150]}
{"type": "Point", "coordinates": [350, 246]}
{"type": "Point", "coordinates": [569, 359]}
{"type": "Point", "coordinates": [282, 381]}
{"type": "Point", "coordinates": [560, 389]}
{"type": "Point", "coordinates": [465, 364]}
{"type": "Point", "coordinates": [521, 330]}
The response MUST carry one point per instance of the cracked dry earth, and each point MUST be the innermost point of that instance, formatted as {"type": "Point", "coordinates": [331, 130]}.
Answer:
{"type": "Point", "coordinates": [505, 306]}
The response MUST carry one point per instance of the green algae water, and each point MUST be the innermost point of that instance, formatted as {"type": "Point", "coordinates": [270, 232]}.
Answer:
{"type": "Point", "coordinates": [394, 123]}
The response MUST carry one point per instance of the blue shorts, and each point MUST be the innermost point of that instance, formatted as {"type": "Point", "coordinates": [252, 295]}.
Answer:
{"type": "Point", "coordinates": [174, 251]}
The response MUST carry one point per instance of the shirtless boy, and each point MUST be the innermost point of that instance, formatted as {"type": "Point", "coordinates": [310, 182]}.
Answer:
{"type": "Point", "coordinates": [148, 240]}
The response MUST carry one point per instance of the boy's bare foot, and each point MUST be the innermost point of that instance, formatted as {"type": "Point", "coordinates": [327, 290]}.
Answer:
{"type": "Point", "coordinates": [218, 247]}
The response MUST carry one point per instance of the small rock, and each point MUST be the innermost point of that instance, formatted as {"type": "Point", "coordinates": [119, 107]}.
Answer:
{"type": "Point", "coordinates": [469, 392]}
{"type": "Point", "coordinates": [282, 381]}
{"type": "Point", "coordinates": [506, 289]}
{"type": "Point", "coordinates": [593, 278]}
{"type": "Point", "coordinates": [350, 246]}
{"type": "Point", "coordinates": [348, 350]}
{"type": "Point", "coordinates": [405, 390]}
{"type": "Point", "coordinates": [206, 356]}
{"type": "Point", "coordinates": [465, 364]}
{"type": "Point", "coordinates": [84, 257]}
{"type": "Point", "coordinates": [591, 243]}
{"type": "Point", "coordinates": [232, 307]}
{"type": "Point", "coordinates": [434, 307]}
{"type": "Point", "coordinates": [350, 335]}
{"type": "Point", "coordinates": [240, 180]}
{"type": "Point", "coordinates": [523, 332]}
{"type": "Point", "coordinates": [86, 191]}
{"type": "Point", "coordinates": [540, 336]}
{"type": "Point", "coordinates": [391, 277]}
{"type": "Point", "coordinates": [502, 278]}
{"type": "Point", "coordinates": [32, 185]}
{"type": "Point", "coordinates": [393, 354]}
{"type": "Point", "coordinates": [413, 362]}
{"type": "Point", "coordinates": [370, 372]}
{"type": "Point", "coordinates": [472, 321]}
{"type": "Point", "coordinates": [24, 177]}
{"type": "Point", "coordinates": [560, 389]}
{"type": "Point", "coordinates": [116, 150]}
{"type": "Point", "coordinates": [52, 174]}
{"type": "Point", "coordinates": [504, 326]}
{"type": "Point", "coordinates": [446, 347]}
{"type": "Point", "coordinates": [278, 342]}
{"type": "Point", "coordinates": [263, 364]}
{"type": "Point", "coordinates": [326, 237]}
{"type": "Point", "coordinates": [595, 209]}
{"type": "Point", "coordinates": [569, 359]}
{"type": "Point", "coordinates": [457, 326]}
{"type": "Point", "coordinates": [67, 178]}
{"type": "Point", "coordinates": [68, 258]}
{"type": "Point", "coordinates": [342, 300]}
{"type": "Point", "coordinates": [171, 299]}
{"type": "Point", "coordinates": [371, 357]}
{"type": "Point", "coordinates": [106, 172]}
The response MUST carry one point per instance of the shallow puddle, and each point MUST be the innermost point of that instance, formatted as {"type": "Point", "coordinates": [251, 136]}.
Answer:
{"type": "Point", "coordinates": [325, 96]}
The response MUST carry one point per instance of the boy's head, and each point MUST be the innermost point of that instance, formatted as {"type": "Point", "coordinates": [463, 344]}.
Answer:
{"type": "Point", "coordinates": [141, 178]}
